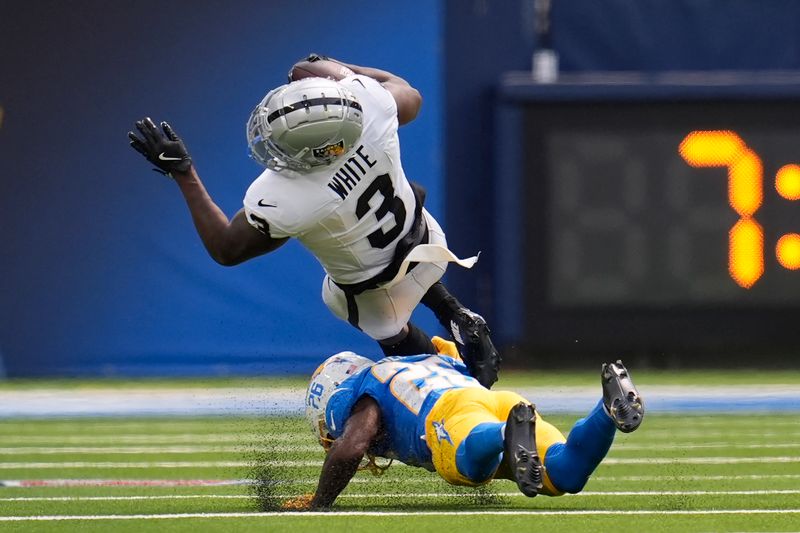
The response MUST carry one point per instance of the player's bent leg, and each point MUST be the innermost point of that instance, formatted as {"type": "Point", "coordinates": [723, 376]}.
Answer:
{"type": "Point", "coordinates": [569, 464]}
{"type": "Point", "coordinates": [480, 454]}
{"type": "Point", "coordinates": [465, 435]}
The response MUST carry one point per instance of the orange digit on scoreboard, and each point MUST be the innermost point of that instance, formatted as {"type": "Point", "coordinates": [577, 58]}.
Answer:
{"type": "Point", "coordinates": [724, 148]}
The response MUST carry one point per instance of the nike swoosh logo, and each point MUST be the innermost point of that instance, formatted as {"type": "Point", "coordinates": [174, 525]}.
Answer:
{"type": "Point", "coordinates": [262, 204]}
{"type": "Point", "coordinates": [162, 157]}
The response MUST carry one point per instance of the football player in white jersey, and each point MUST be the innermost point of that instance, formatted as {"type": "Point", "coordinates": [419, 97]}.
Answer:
{"type": "Point", "coordinates": [334, 180]}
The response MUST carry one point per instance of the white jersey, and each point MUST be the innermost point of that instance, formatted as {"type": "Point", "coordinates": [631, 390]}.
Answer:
{"type": "Point", "coordinates": [351, 214]}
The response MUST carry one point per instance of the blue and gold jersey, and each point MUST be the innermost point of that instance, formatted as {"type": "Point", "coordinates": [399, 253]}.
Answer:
{"type": "Point", "coordinates": [406, 388]}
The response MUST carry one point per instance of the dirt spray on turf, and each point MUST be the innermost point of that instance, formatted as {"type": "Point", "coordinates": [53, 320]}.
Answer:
{"type": "Point", "coordinates": [269, 481]}
{"type": "Point", "coordinates": [481, 496]}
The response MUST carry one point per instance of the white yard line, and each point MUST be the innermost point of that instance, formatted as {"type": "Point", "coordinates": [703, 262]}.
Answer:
{"type": "Point", "coordinates": [709, 420]}
{"type": "Point", "coordinates": [318, 463]}
{"type": "Point", "coordinates": [56, 450]}
{"type": "Point", "coordinates": [698, 460]}
{"type": "Point", "coordinates": [156, 464]}
{"type": "Point", "coordinates": [642, 438]}
{"type": "Point", "coordinates": [398, 495]}
{"type": "Point", "coordinates": [183, 438]}
{"type": "Point", "coordinates": [131, 498]}
{"type": "Point", "coordinates": [655, 446]}
{"type": "Point", "coordinates": [656, 435]}
{"type": "Point", "coordinates": [723, 477]}
{"type": "Point", "coordinates": [157, 483]}
{"type": "Point", "coordinates": [312, 448]}
{"type": "Point", "coordinates": [150, 483]}
{"type": "Point", "coordinates": [302, 515]}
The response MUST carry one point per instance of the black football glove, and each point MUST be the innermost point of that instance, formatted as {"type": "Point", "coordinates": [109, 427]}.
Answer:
{"type": "Point", "coordinates": [162, 148]}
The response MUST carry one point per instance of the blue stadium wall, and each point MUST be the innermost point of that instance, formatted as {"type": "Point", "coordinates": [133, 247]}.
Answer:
{"type": "Point", "coordinates": [101, 272]}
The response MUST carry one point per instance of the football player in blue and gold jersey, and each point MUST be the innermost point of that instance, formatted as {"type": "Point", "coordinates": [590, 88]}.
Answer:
{"type": "Point", "coordinates": [427, 411]}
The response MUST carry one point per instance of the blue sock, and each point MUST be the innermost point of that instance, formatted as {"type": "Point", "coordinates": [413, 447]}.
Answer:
{"type": "Point", "coordinates": [570, 464]}
{"type": "Point", "coordinates": [479, 455]}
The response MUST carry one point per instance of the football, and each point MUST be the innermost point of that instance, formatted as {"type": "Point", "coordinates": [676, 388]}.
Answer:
{"type": "Point", "coordinates": [322, 68]}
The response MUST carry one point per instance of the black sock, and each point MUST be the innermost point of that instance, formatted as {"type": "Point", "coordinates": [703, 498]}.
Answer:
{"type": "Point", "coordinates": [416, 342]}
{"type": "Point", "coordinates": [443, 304]}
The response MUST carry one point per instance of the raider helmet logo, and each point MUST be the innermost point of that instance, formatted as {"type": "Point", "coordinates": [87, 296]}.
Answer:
{"type": "Point", "coordinates": [329, 150]}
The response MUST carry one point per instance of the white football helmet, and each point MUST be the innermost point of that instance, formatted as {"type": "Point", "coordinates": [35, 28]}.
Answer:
{"type": "Point", "coordinates": [304, 124]}
{"type": "Point", "coordinates": [324, 381]}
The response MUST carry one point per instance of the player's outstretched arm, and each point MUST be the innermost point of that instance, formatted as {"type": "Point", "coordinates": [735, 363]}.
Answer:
{"type": "Point", "coordinates": [342, 461]}
{"type": "Point", "coordinates": [228, 242]}
{"type": "Point", "coordinates": [408, 99]}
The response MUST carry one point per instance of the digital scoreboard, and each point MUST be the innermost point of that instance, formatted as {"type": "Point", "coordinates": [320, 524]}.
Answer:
{"type": "Point", "coordinates": [658, 220]}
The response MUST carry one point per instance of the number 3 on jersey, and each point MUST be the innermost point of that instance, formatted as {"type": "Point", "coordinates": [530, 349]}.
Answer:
{"type": "Point", "coordinates": [390, 204]}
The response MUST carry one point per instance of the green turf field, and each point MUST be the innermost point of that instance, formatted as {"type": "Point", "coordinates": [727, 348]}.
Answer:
{"type": "Point", "coordinates": [693, 473]}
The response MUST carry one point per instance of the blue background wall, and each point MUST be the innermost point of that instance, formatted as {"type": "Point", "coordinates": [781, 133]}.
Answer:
{"type": "Point", "coordinates": [101, 270]}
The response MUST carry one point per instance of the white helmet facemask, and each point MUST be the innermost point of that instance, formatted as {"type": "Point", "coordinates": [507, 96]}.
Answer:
{"type": "Point", "coordinates": [330, 374]}
{"type": "Point", "coordinates": [304, 124]}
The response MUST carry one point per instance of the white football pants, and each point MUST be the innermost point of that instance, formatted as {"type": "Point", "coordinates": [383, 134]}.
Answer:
{"type": "Point", "coordinates": [382, 312]}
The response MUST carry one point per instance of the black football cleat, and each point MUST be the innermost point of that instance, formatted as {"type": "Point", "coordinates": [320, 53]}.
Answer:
{"type": "Point", "coordinates": [472, 337]}
{"type": "Point", "coordinates": [620, 397]}
{"type": "Point", "coordinates": [520, 449]}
